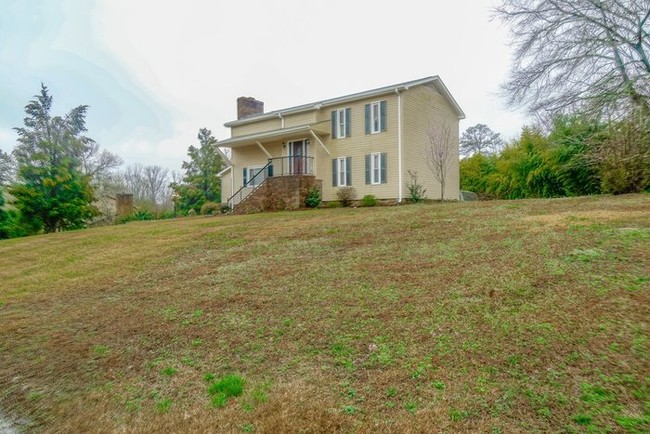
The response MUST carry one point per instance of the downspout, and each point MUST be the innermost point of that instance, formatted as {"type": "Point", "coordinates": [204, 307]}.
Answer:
{"type": "Point", "coordinates": [399, 144]}
{"type": "Point", "coordinates": [281, 120]}
{"type": "Point", "coordinates": [232, 184]}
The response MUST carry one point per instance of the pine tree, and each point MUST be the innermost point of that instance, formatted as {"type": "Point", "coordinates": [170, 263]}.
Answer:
{"type": "Point", "coordinates": [200, 183]}
{"type": "Point", "coordinates": [52, 192]}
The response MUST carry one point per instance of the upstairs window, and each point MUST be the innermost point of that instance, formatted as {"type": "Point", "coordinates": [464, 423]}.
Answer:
{"type": "Point", "coordinates": [376, 117]}
{"type": "Point", "coordinates": [341, 123]}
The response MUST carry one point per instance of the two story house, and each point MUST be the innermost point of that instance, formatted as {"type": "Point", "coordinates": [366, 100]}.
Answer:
{"type": "Point", "coordinates": [368, 140]}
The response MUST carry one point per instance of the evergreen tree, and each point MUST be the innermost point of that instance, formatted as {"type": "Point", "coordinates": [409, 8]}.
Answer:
{"type": "Point", "coordinates": [200, 183]}
{"type": "Point", "coordinates": [52, 192]}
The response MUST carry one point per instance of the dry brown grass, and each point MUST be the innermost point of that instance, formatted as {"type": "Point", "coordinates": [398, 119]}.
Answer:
{"type": "Point", "coordinates": [512, 316]}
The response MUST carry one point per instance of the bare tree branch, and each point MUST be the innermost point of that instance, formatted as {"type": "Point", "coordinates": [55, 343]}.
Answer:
{"type": "Point", "coordinates": [438, 153]}
{"type": "Point", "coordinates": [590, 55]}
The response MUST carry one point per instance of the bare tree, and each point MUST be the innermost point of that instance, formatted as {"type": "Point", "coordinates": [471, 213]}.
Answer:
{"type": "Point", "coordinates": [438, 154]}
{"type": "Point", "coordinates": [98, 163]}
{"type": "Point", "coordinates": [147, 183]}
{"type": "Point", "coordinates": [480, 139]}
{"type": "Point", "coordinates": [591, 55]}
{"type": "Point", "coordinates": [156, 181]}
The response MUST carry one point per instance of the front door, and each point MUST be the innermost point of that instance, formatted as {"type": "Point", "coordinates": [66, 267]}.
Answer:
{"type": "Point", "coordinates": [297, 154]}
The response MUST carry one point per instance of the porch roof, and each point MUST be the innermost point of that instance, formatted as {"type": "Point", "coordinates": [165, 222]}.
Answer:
{"type": "Point", "coordinates": [291, 132]}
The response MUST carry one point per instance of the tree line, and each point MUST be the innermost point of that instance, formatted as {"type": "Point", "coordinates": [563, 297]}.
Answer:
{"type": "Point", "coordinates": [576, 156]}
{"type": "Point", "coordinates": [582, 70]}
{"type": "Point", "coordinates": [56, 178]}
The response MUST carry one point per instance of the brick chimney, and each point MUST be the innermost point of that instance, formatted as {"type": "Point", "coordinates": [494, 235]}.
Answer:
{"type": "Point", "coordinates": [247, 106]}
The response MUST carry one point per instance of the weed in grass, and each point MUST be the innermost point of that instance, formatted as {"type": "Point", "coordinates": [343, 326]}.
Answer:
{"type": "Point", "coordinates": [219, 400]}
{"type": "Point", "coordinates": [438, 385]}
{"type": "Point", "coordinates": [640, 344]}
{"type": "Point", "coordinates": [384, 354]}
{"type": "Point", "coordinates": [586, 255]}
{"type": "Point", "coordinates": [420, 370]}
{"type": "Point", "coordinates": [343, 356]}
{"type": "Point", "coordinates": [208, 377]}
{"type": "Point", "coordinates": [514, 360]}
{"type": "Point", "coordinates": [457, 415]}
{"type": "Point", "coordinates": [350, 409]}
{"type": "Point", "coordinates": [555, 267]}
{"type": "Point", "coordinates": [35, 396]}
{"type": "Point", "coordinates": [595, 394]}
{"type": "Point", "coordinates": [615, 347]}
{"type": "Point", "coordinates": [247, 407]}
{"type": "Point", "coordinates": [133, 405]}
{"type": "Point", "coordinates": [101, 350]}
{"type": "Point", "coordinates": [220, 391]}
{"type": "Point", "coordinates": [188, 361]}
{"type": "Point", "coordinates": [390, 404]}
{"type": "Point", "coordinates": [169, 371]}
{"type": "Point", "coordinates": [582, 419]}
{"type": "Point", "coordinates": [392, 392]}
{"type": "Point", "coordinates": [634, 424]}
{"type": "Point", "coordinates": [197, 314]}
{"type": "Point", "coordinates": [352, 393]}
{"type": "Point", "coordinates": [638, 283]}
{"type": "Point", "coordinates": [169, 313]}
{"type": "Point", "coordinates": [197, 342]}
{"type": "Point", "coordinates": [249, 427]}
{"type": "Point", "coordinates": [411, 407]}
{"type": "Point", "coordinates": [163, 405]}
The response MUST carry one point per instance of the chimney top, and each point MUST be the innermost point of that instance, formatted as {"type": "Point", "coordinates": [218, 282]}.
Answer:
{"type": "Point", "coordinates": [248, 106]}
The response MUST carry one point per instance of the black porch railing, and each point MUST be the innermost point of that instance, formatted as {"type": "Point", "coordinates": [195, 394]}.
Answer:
{"type": "Point", "coordinates": [286, 166]}
{"type": "Point", "coordinates": [280, 166]}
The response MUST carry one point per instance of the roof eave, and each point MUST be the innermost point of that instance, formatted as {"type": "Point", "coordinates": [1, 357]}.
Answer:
{"type": "Point", "coordinates": [346, 98]}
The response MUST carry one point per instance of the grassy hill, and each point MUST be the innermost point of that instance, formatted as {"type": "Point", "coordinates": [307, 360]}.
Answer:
{"type": "Point", "coordinates": [517, 316]}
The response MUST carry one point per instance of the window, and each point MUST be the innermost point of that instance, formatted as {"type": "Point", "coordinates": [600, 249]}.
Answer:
{"type": "Point", "coordinates": [376, 168]}
{"type": "Point", "coordinates": [341, 171]}
{"type": "Point", "coordinates": [341, 123]}
{"type": "Point", "coordinates": [250, 180]}
{"type": "Point", "coordinates": [375, 119]}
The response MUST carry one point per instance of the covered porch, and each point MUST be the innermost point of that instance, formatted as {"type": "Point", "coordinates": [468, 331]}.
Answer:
{"type": "Point", "coordinates": [256, 157]}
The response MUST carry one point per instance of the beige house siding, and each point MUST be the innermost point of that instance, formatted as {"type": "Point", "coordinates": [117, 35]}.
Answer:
{"type": "Point", "coordinates": [423, 106]}
{"type": "Point", "coordinates": [226, 186]}
{"type": "Point", "coordinates": [256, 127]}
{"type": "Point", "coordinates": [300, 119]}
{"type": "Point", "coordinates": [358, 146]}
{"type": "Point", "coordinates": [274, 124]}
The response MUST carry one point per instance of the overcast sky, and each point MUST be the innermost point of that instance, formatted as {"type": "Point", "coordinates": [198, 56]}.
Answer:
{"type": "Point", "coordinates": [155, 71]}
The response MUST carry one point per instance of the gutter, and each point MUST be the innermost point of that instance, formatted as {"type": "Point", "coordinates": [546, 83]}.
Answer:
{"type": "Point", "coordinates": [400, 186]}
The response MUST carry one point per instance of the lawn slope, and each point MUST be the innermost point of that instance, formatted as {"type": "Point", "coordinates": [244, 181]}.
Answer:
{"type": "Point", "coordinates": [507, 316]}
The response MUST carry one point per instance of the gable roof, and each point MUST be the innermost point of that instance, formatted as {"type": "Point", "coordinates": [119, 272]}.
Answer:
{"type": "Point", "coordinates": [435, 80]}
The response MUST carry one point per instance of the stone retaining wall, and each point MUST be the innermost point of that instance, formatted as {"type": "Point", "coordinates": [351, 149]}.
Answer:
{"type": "Point", "coordinates": [279, 193]}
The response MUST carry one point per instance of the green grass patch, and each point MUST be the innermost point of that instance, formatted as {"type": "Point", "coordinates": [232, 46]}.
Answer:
{"type": "Point", "coordinates": [222, 389]}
